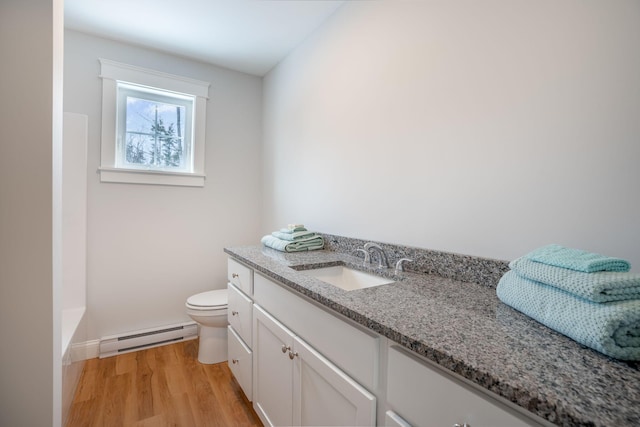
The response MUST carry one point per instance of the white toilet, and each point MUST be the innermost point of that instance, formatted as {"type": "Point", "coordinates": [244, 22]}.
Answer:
{"type": "Point", "coordinates": [209, 310]}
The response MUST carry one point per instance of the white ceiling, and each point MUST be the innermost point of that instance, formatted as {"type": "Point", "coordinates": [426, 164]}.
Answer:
{"type": "Point", "coordinates": [245, 35]}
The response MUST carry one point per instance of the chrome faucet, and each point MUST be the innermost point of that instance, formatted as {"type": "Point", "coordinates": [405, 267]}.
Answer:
{"type": "Point", "coordinates": [371, 247]}
{"type": "Point", "coordinates": [367, 256]}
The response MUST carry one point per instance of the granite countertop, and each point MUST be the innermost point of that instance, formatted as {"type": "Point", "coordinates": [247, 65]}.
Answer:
{"type": "Point", "coordinates": [464, 328]}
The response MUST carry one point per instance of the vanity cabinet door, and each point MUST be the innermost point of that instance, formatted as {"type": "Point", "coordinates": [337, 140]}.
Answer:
{"type": "Point", "coordinates": [296, 385]}
{"type": "Point", "coordinates": [272, 370]}
{"type": "Point", "coordinates": [323, 395]}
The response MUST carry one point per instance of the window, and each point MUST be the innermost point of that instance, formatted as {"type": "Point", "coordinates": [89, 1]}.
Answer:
{"type": "Point", "coordinates": [152, 127]}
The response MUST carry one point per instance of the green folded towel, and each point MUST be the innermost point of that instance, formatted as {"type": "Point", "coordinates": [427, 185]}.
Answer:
{"type": "Point", "coordinates": [302, 244]}
{"type": "Point", "coordinates": [576, 259]}
{"type": "Point", "coordinates": [601, 286]}
{"type": "Point", "coordinates": [612, 328]}
{"type": "Point", "coordinates": [297, 235]}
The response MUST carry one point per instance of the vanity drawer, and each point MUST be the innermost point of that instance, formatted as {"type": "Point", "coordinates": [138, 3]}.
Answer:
{"type": "Point", "coordinates": [423, 394]}
{"type": "Point", "coordinates": [239, 313]}
{"type": "Point", "coordinates": [240, 276]}
{"type": "Point", "coordinates": [240, 362]}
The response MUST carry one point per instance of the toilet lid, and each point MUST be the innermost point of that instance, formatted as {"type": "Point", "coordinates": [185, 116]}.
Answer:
{"type": "Point", "coordinates": [217, 298]}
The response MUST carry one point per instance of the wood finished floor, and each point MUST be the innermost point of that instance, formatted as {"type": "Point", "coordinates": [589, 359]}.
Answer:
{"type": "Point", "coordinates": [162, 386]}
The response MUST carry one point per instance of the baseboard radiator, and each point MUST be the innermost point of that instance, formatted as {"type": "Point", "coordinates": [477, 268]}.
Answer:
{"type": "Point", "coordinates": [139, 340]}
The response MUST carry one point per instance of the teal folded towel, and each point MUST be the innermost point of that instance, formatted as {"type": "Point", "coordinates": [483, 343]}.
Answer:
{"type": "Point", "coordinates": [302, 244]}
{"type": "Point", "coordinates": [602, 286]}
{"type": "Point", "coordinates": [296, 235]}
{"type": "Point", "coordinates": [576, 259]}
{"type": "Point", "coordinates": [612, 328]}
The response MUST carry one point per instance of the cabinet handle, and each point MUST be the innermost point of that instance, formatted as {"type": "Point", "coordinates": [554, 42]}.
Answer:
{"type": "Point", "coordinates": [292, 354]}
{"type": "Point", "coordinates": [234, 313]}
{"type": "Point", "coordinates": [462, 425]}
{"type": "Point", "coordinates": [235, 275]}
{"type": "Point", "coordinates": [285, 348]}
{"type": "Point", "coordinates": [235, 361]}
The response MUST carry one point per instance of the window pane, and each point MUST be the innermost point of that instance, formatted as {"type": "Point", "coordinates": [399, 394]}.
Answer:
{"type": "Point", "coordinates": [154, 133]}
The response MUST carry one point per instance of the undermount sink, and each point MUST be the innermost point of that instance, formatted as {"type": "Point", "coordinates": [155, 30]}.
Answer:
{"type": "Point", "coordinates": [347, 278]}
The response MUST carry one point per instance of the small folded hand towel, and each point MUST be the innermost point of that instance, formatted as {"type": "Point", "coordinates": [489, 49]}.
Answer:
{"type": "Point", "coordinates": [612, 328]}
{"type": "Point", "coordinates": [293, 228]}
{"type": "Point", "coordinates": [576, 259]}
{"type": "Point", "coordinates": [303, 244]}
{"type": "Point", "coordinates": [602, 286]}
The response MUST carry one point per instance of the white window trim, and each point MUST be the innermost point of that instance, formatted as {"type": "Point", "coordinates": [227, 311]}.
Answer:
{"type": "Point", "coordinates": [111, 72]}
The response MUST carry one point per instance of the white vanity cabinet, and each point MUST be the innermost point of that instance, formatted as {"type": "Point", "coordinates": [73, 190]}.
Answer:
{"type": "Point", "coordinates": [312, 366]}
{"type": "Point", "coordinates": [239, 315]}
{"type": "Point", "coordinates": [422, 394]}
{"type": "Point", "coordinates": [296, 385]}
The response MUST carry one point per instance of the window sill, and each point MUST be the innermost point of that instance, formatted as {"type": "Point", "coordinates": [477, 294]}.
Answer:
{"type": "Point", "coordinates": [151, 177]}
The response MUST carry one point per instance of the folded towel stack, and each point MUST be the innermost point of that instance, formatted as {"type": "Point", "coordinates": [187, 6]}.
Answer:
{"type": "Point", "coordinates": [590, 298]}
{"type": "Point", "coordinates": [294, 238]}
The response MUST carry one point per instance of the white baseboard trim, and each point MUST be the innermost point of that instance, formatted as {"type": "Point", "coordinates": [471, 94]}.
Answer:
{"type": "Point", "coordinates": [85, 350]}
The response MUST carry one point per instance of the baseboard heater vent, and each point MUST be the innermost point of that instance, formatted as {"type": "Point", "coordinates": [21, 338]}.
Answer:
{"type": "Point", "coordinates": [138, 340]}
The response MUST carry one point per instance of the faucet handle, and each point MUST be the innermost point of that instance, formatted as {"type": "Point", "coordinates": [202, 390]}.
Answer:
{"type": "Point", "coordinates": [367, 256]}
{"type": "Point", "coordinates": [399, 266]}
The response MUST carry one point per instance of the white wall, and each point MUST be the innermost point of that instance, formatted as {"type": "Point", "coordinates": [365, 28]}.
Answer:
{"type": "Point", "coordinates": [150, 247]}
{"type": "Point", "coordinates": [484, 128]}
{"type": "Point", "coordinates": [30, 158]}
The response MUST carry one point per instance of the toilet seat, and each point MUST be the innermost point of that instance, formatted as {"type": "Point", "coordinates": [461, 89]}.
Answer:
{"type": "Point", "coordinates": [209, 300]}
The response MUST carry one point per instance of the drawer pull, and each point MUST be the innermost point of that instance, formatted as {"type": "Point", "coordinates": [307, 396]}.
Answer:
{"type": "Point", "coordinates": [234, 313]}
{"type": "Point", "coordinates": [285, 348]}
{"type": "Point", "coordinates": [235, 275]}
{"type": "Point", "coordinates": [461, 425]}
{"type": "Point", "coordinates": [292, 354]}
{"type": "Point", "coordinates": [235, 361]}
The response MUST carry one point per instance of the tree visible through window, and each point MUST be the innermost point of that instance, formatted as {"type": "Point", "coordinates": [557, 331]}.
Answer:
{"type": "Point", "coordinates": [154, 134]}
{"type": "Point", "coordinates": [156, 131]}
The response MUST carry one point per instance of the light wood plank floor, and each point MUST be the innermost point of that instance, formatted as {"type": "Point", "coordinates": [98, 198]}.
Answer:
{"type": "Point", "coordinates": [162, 386]}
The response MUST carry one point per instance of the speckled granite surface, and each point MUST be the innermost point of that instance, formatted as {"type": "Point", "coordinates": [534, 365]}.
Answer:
{"type": "Point", "coordinates": [465, 268]}
{"type": "Point", "coordinates": [465, 328]}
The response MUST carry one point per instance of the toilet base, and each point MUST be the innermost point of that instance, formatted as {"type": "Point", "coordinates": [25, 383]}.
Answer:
{"type": "Point", "coordinates": [212, 345]}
